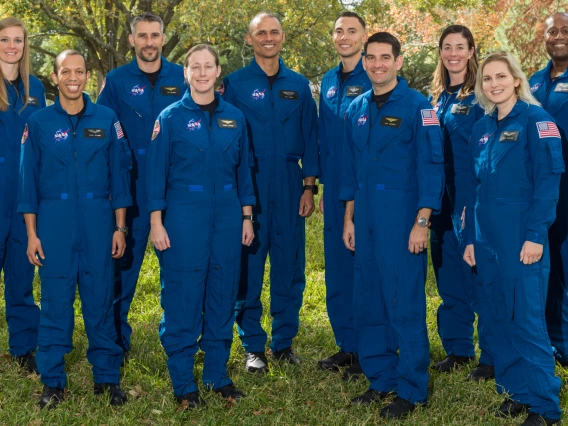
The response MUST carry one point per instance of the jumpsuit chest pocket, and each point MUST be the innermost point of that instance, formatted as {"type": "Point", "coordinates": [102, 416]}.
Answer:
{"type": "Point", "coordinates": [190, 147]}
{"type": "Point", "coordinates": [509, 145]}
{"type": "Point", "coordinates": [391, 135]}
{"type": "Point", "coordinates": [289, 105]}
{"type": "Point", "coordinates": [227, 140]}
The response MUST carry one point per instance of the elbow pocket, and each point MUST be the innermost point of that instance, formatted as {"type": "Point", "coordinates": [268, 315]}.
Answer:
{"type": "Point", "coordinates": [554, 154]}
{"type": "Point", "coordinates": [435, 149]}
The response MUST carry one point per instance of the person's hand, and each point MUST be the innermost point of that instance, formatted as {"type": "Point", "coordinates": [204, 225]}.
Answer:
{"type": "Point", "coordinates": [248, 232]}
{"type": "Point", "coordinates": [321, 204]}
{"type": "Point", "coordinates": [418, 240]}
{"type": "Point", "coordinates": [349, 235]}
{"type": "Point", "coordinates": [469, 255]}
{"type": "Point", "coordinates": [118, 244]}
{"type": "Point", "coordinates": [159, 237]}
{"type": "Point", "coordinates": [35, 251]}
{"type": "Point", "coordinates": [531, 252]}
{"type": "Point", "coordinates": [307, 206]}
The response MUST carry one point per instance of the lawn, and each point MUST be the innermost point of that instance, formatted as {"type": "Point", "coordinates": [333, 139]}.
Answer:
{"type": "Point", "coordinates": [288, 395]}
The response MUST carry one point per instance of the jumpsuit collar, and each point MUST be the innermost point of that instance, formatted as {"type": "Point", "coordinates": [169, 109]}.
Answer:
{"type": "Point", "coordinates": [357, 70]}
{"type": "Point", "coordinates": [88, 110]}
{"type": "Point", "coordinates": [547, 73]}
{"type": "Point", "coordinates": [188, 102]}
{"type": "Point", "coordinates": [397, 93]}
{"type": "Point", "coordinates": [164, 71]}
{"type": "Point", "coordinates": [255, 68]}
{"type": "Point", "coordinates": [519, 107]}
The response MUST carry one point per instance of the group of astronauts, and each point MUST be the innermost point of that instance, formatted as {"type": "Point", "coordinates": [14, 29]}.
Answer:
{"type": "Point", "coordinates": [219, 180]}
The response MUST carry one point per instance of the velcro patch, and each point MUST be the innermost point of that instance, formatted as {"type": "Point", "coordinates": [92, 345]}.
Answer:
{"type": "Point", "coordinates": [91, 133]}
{"type": "Point", "coordinates": [509, 136]}
{"type": "Point", "coordinates": [33, 101]}
{"type": "Point", "coordinates": [547, 129]}
{"type": "Point", "coordinates": [460, 109]}
{"type": "Point", "coordinates": [561, 87]}
{"type": "Point", "coordinates": [226, 124]}
{"type": "Point", "coordinates": [290, 95]}
{"type": "Point", "coordinates": [118, 127]}
{"type": "Point", "coordinates": [429, 117]}
{"type": "Point", "coordinates": [353, 90]}
{"type": "Point", "coordinates": [170, 90]}
{"type": "Point", "coordinates": [391, 121]}
{"type": "Point", "coordinates": [156, 130]}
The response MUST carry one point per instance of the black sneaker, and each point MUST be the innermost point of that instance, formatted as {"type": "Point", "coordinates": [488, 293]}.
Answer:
{"type": "Point", "coordinates": [370, 395]}
{"type": "Point", "coordinates": [230, 393]}
{"type": "Point", "coordinates": [398, 408]}
{"type": "Point", "coordinates": [117, 396]}
{"type": "Point", "coordinates": [448, 364]}
{"type": "Point", "coordinates": [27, 362]}
{"type": "Point", "coordinates": [256, 362]}
{"type": "Point", "coordinates": [191, 400]}
{"type": "Point", "coordinates": [51, 397]}
{"type": "Point", "coordinates": [482, 372]}
{"type": "Point", "coordinates": [354, 372]}
{"type": "Point", "coordinates": [340, 359]}
{"type": "Point", "coordinates": [536, 420]}
{"type": "Point", "coordinates": [286, 354]}
{"type": "Point", "coordinates": [511, 408]}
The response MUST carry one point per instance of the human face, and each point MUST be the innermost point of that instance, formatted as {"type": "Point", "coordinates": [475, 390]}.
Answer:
{"type": "Point", "coordinates": [11, 45]}
{"type": "Point", "coordinates": [266, 37]}
{"type": "Point", "coordinates": [499, 84]}
{"type": "Point", "coordinates": [348, 37]}
{"type": "Point", "coordinates": [556, 36]}
{"type": "Point", "coordinates": [201, 72]}
{"type": "Point", "coordinates": [147, 41]}
{"type": "Point", "coordinates": [455, 54]}
{"type": "Point", "coordinates": [381, 66]}
{"type": "Point", "coordinates": [71, 77]}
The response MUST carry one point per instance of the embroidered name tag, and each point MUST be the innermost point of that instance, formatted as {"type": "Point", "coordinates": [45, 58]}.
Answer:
{"type": "Point", "coordinates": [509, 136]}
{"type": "Point", "coordinates": [33, 101]}
{"type": "Point", "coordinates": [94, 133]}
{"type": "Point", "coordinates": [353, 90]}
{"type": "Point", "coordinates": [290, 95]}
{"type": "Point", "coordinates": [561, 87]}
{"type": "Point", "coordinates": [226, 124]}
{"type": "Point", "coordinates": [460, 109]}
{"type": "Point", "coordinates": [170, 90]}
{"type": "Point", "coordinates": [391, 121]}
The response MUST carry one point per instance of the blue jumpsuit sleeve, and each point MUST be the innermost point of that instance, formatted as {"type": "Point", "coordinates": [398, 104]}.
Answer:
{"type": "Point", "coordinates": [120, 166]}
{"type": "Point", "coordinates": [348, 183]}
{"type": "Point", "coordinates": [323, 146]}
{"type": "Point", "coordinates": [228, 94]}
{"type": "Point", "coordinates": [310, 160]}
{"type": "Point", "coordinates": [546, 153]}
{"type": "Point", "coordinates": [244, 175]}
{"type": "Point", "coordinates": [471, 195]}
{"type": "Point", "coordinates": [106, 97]}
{"type": "Point", "coordinates": [28, 188]}
{"type": "Point", "coordinates": [429, 161]}
{"type": "Point", "coordinates": [158, 165]}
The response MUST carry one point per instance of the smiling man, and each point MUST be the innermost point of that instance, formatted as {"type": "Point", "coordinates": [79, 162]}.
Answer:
{"type": "Point", "coordinates": [282, 119]}
{"type": "Point", "coordinates": [137, 93]}
{"type": "Point", "coordinates": [74, 190]}
{"type": "Point", "coordinates": [550, 87]}
{"type": "Point", "coordinates": [339, 87]}
{"type": "Point", "coordinates": [392, 179]}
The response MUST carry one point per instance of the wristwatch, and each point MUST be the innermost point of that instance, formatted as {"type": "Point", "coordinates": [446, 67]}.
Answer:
{"type": "Point", "coordinates": [123, 229]}
{"type": "Point", "coordinates": [313, 188]}
{"type": "Point", "coordinates": [422, 222]}
{"type": "Point", "coordinates": [248, 217]}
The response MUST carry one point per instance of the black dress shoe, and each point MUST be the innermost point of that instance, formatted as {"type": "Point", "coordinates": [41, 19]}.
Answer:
{"type": "Point", "coordinates": [230, 393]}
{"type": "Point", "coordinates": [448, 364]}
{"type": "Point", "coordinates": [482, 372]}
{"type": "Point", "coordinates": [511, 408]}
{"type": "Point", "coordinates": [51, 397]}
{"type": "Point", "coordinates": [27, 362]}
{"type": "Point", "coordinates": [398, 408]}
{"type": "Point", "coordinates": [191, 400]}
{"type": "Point", "coordinates": [536, 420]}
{"type": "Point", "coordinates": [370, 395]}
{"type": "Point", "coordinates": [340, 359]}
{"type": "Point", "coordinates": [256, 362]}
{"type": "Point", "coordinates": [286, 354]}
{"type": "Point", "coordinates": [354, 372]}
{"type": "Point", "coordinates": [117, 396]}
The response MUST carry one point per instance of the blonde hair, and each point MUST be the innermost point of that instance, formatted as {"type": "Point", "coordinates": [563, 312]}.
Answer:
{"type": "Point", "coordinates": [24, 65]}
{"type": "Point", "coordinates": [523, 91]}
{"type": "Point", "coordinates": [441, 76]}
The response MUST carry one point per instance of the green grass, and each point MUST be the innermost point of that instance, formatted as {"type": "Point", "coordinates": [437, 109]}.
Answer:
{"type": "Point", "coordinates": [286, 396]}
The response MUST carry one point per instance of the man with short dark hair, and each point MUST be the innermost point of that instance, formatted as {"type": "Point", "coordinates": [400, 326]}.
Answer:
{"type": "Point", "coordinates": [392, 179]}
{"type": "Point", "coordinates": [74, 190]}
{"type": "Point", "coordinates": [137, 93]}
{"type": "Point", "coordinates": [339, 87]}
{"type": "Point", "coordinates": [282, 119]}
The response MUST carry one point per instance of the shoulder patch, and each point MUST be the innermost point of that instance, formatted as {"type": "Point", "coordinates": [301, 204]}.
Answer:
{"type": "Point", "coordinates": [156, 130]}
{"type": "Point", "coordinates": [118, 127]}
{"type": "Point", "coordinates": [429, 117]}
{"type": "Point", "coordinates": [25, 135]}
{"type": "Point", "coordinates": [103, 86]}
{"type": "Point", "coordinates": [221, 89]}
{"type": "Point", "coordinates": [547, 129]}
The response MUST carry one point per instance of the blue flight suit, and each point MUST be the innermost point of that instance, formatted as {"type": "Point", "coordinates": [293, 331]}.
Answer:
{"type": "Point", "coordinates": [199, 175]}
{"type": "Point", "coordinates": [454, 277]}
{"type": "Point", "coordinates": [73, 175]}
{"type": "Point", "coordinates": [22, 314]}
{"type": "Point", "coordinates": [516, 166]}
{"type": "Point", "coordinates": [553, 96]}
{"type": "Point", "coordinates": [335, 98]}
{"type": "Point", "coordinates": [393, 166]}
{"type": "Point", "coordinates": [282, 124]}
{"type": "Point", "coordinates": [128, 93]}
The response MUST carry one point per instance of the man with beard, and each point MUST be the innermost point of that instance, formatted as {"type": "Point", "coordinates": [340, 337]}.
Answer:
{"type": "Point", "coordinates": [550, 87]}
{"type": "Point", "coordinates": [339, 87]}
{"type": "Point", "coordinates": [137, 93]}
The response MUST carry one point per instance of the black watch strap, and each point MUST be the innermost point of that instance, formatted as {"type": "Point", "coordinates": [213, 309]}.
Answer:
{"type": "Point", "coordinates": [313, 188]}
{"type": "Point", "coordinates": [248, 217]}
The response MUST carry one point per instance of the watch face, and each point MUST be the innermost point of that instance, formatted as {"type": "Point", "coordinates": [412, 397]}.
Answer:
{"type": "Point", "coordinates": [422, 222]}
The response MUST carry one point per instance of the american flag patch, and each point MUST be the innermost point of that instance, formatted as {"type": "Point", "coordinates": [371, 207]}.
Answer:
{"type": "Point", "coordinates": [25, 134]}
{"type": "Point", "coordinates": [118, 128]}
{"type": "Point", "coordinates": [547, 129]}
{"type": "Point", "coordinates": [429, 117]}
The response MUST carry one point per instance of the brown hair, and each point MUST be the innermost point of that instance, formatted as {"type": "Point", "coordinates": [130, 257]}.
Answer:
{"type": "Point", "coordinates": [197, 48]}
{"type": "Point", "coordinates": [24, 67]}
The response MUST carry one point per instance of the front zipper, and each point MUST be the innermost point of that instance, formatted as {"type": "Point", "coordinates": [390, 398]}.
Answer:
{"type": "Point", "coordinates": [75, 152]}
